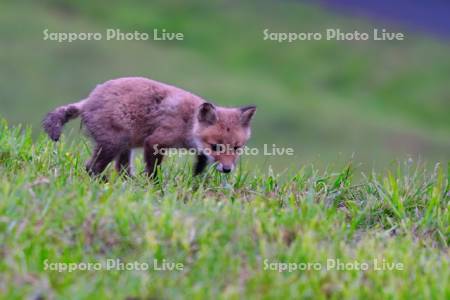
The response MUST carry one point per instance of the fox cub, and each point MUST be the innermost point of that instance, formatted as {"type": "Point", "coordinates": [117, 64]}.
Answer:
{"type": "Point", "coordinates": [132, 112]}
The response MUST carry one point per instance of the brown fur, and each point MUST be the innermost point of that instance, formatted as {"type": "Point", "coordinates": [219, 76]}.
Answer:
{"type": "Point", "coordinates": [127, 113]}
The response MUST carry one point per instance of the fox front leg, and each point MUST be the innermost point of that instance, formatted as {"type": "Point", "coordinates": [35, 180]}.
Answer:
{"type": "Point", "coordinates": [200, 164]}
{"type": "Point", "coordinates": [153, 149]}
{"type": "Point", "coordinates": [153, 158]}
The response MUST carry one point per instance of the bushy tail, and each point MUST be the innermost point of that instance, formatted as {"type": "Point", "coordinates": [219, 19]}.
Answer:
{"type": "Point", "coordinates": [55, 120]}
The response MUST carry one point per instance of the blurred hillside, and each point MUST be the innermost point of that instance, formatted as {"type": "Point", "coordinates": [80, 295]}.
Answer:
{"type": "Point", "coordinates": [329, 100]}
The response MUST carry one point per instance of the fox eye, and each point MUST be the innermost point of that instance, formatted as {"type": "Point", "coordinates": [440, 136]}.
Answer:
{"type": "Point", "coordinates": [236, 148]}
{"type": "Point", "coordinates": [215, 147]}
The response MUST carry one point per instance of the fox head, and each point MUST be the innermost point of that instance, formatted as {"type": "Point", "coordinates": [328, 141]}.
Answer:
{"type": "Point", "coordinates": [221, 132]}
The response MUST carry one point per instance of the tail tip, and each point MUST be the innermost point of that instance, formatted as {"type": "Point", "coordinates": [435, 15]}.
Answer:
{"type": "Point", "coordinates": [55, 120]}
{"type": "Point", "coordinates": [52, 126]}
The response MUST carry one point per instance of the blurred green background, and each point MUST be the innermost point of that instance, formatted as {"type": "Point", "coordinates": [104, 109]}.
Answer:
{"type": "Point", "coordinates": [370, 101]}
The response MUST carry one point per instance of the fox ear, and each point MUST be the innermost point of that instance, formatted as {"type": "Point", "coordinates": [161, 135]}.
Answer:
{"type": "Point", "coordinates": [207, 113]}
{"type": "Point", "coordinates": [247, 113]}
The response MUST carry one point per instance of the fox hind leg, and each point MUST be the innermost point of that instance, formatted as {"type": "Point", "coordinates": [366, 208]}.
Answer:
{"type": "Point", "coordinates": [101, 157]}
{"type": "Point", "coordinates": [123, 162]}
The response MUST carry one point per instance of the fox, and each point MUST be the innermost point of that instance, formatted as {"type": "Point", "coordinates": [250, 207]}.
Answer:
{"type": "Point", "coordinates": [127, 113]}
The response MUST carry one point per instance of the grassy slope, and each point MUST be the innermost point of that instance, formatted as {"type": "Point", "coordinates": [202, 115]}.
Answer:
{"type": "Point", "coordinates": [221, 228]}
{"type": "Point", "coordinates": [377, 100]}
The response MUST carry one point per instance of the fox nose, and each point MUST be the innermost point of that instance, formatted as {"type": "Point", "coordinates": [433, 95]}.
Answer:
{"type": "Point", "coordinates": [226, 169]}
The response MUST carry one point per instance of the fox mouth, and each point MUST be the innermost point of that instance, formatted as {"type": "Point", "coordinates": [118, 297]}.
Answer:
{"type": "Point", "coordinates": [224, 169]}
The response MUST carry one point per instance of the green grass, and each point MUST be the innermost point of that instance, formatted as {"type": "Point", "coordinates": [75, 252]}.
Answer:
{"type": "Point", "coordinates": [222, 228]}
